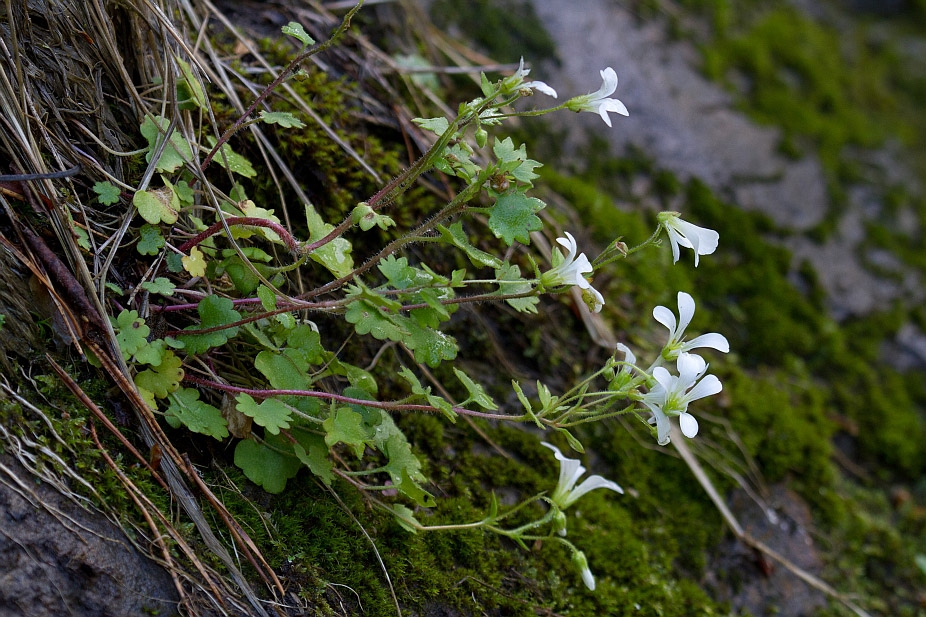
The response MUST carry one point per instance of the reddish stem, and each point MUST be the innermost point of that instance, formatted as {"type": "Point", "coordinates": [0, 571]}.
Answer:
{"type": "Point", "coordinates": [343, 399]}
{"type": "Point", "coordinates": [252, 221]}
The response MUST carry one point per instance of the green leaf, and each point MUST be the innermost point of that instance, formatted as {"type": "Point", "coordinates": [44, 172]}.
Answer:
{"type": "Point", "coordinates": [163, 379]}
{"type": "Point", "coordinates": [236, 163]}
{"type": "Point", "coordinates": [197, 94]}
{"type": "Point", "coordinates": [457, 237]}
{"type": "Point", "coordinates": [131, 333]}
{"type": "Point", "coordinates": [367, 218]}
{"type": "Point", "coordinates": [313, 453]}
{"type": "Point", "coordinates": [436, 312]}
{"type": "Point", "coordinates": [196, 415]}
{"type": "Point", "coordinates": [265, 466]}
{"type": "Point", "coordinates": [107, 193]}
{"type": "Point", "coordinates": [513, 217]}
{"type": "Point", "coordinates": [296, 30]}
{"type": "Point", "coordinates": [411, 489]}
{"type": "Point", "coordinates": [430, 346]}
{"type": "Point", "coordinates": [152, 353]}
{"type": "Point", "coordinates": [282, 118]}
{"type": "Point", "coordinates": [175, 152]}
{"type": "Point", "coordinates": [435, 401]}
{"type": "Point", "coordinates": [157, 205]}
{"type": "Point", "coordinates": [436, 125]}
{"type": "Point", "coordinates": [174, 262]}
{"type": "Point", "coordinates": [150, 240]}
{"type": "Point", "coordinates": [160, 285]}
{"type": "Point", "coordinates": [515, 161]}
{"type": "Point", "coordinates": [184, 192]}
{"type": "Point", "coordinates": [510, 272]}
{"type": "Point", "coordinates": [485, 86]}
{"type": "Point", "coordinates": [335, 255]}
{"type": "Point", "coordinates": [526, 403]}
{"type": "Point", "coordinates": [242, 277]}
{"type": "Point", "coordinates": [269, 413]}
{"type": "Point", "coordinates": [213, 311]}
{"type": "Point", "coordinates": [371, 319]}
{"type": "Point", "coordinates": [574, 443]}
{"type": "Point", "coordinates": [405, 517]}
{"type": "Point", "coordinates": [346, 426]}
{"type": "Point", "coordinates": [476, 392]}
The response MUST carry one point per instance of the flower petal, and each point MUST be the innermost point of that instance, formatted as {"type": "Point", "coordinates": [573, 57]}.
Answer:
{"type": "Point", "coordinates": [663, 377]}
{"type": "Point", "coordinates": [540, 86]}
{"type": "Point", "coordinates": [686, 310]}
{"type": "Point", "coordinates": [570, 470]}
{"type": "Point", "coordinates": [690, 367]}
{"type": "Point", "coordinates": [608, 83]}
{"type": "Point", "coordinates": [589, 484]}
{"type": "Point", "coordinates": [603, 112]}
{"type": "Point", "coordinates": [688, 424]}
{"type": "Point", "coordinates": [708, 386]}
{"type": "Point", "coordinates": [569, 243]}
{"type": "Point", "coordinates": [588, 579]}
{"type": "Point", "coordinates": [628, 355]}
{"type": "Point", "coordinates": [662, 425]}
{"type": "Point", "coordinates": [613, 105]}
{"type": "Point", "coordinates": [712, 340]}
{"type": "Point", "coordinates": [666, 318]}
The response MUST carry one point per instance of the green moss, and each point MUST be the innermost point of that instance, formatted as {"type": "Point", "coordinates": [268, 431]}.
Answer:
{"type": "Point", "coordinates": [506, 29]}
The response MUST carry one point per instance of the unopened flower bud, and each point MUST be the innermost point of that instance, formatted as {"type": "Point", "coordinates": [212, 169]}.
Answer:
{"type": "Point", "coordinates": [482, 137]}
{"type": "Point", "coordinates": [559, 523]}
{"type": "Point", "coordinates": [581, 563]}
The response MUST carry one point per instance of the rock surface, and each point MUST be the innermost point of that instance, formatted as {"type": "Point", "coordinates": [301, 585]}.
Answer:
{"type": "Point", "coordinates": [689, 125]}
{"type": "Point", "coordinates": [57, 558]}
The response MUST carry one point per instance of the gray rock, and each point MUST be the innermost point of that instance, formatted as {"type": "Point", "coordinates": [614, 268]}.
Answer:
{"type": "Point", "coordinates": [57, 558]}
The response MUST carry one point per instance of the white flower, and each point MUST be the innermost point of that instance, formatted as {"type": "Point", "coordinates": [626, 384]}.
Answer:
{"type": "Point", "coordinates": [599, 102]}
{"type": "Point", "coordinates": [572, 271]}
{"type": "Point", "coordinates": [702, 240]}
{"type": "Point", "coordinates": [675, 346]}
{"type": "Point", "coordinates": [671, 395]}
{"type": "Point", "coordinates": [581, 563]}
{"type": "Point", "coordinates": [570, 470]}
{"type": "Point", "coordinates": [515, 82]}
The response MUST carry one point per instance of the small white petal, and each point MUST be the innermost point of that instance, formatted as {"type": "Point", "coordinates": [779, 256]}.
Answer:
{"type": "Point", "coordinates": [614, 105]}
{"type": "Point", "coordinates": [708, 386]}
{"type": "Point", "coordinates": [603, 112]}
{"type": "Point", "coordinates": [590, 484]}
{"type": "Point", "coordinates": [608, 83]}
{"type": "Point", "coordinates": [628, 355]}
{"type": "Point", "coordinates": [588, 579]}
{"type": "Point", "coordinates": [690, 367]}
{"type": "Point", "coordinates": [688, 424]}
{"type": "Point", "coordinates": [569, 243]}
{"type": "Point", "coordinates": [540, 86]}
{"type": "Point", "coordinates": [686, 310]}
{"type": "Point", "coordinates": [666, 318]}
{"type": "Point", "coordinates": [712, 340]}
{"type": "Point", "coordinates": [674, 240]}
{"type": "Point", "coordinates": [663, 377]}
{"type": "Point", "coordinates": [662, 424]}
{"type": "Point", "coordinates": [593, 298]}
